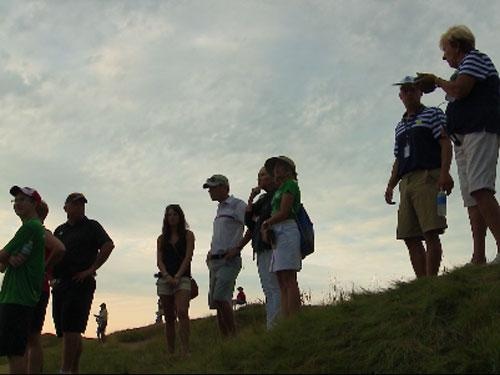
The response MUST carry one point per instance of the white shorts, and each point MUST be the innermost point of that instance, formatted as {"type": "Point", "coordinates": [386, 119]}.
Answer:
{"type": "Point", "coordinates": [476, 161]}
{"type": "Point", "coordinates": [286, 255]}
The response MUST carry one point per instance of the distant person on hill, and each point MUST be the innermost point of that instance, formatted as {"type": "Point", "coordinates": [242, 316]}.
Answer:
{"type": "Point", "coordinates": [88, 246]}
{"type": "Point", "coordinates": [241, 298]}
{"type": "Point", "coordinates": [102, 322]}
{"type": "Point", "coordinates": [224, 258]}
{"type": "Point", "coordinates": [422, 168]}
{"type": "Point", "coordinates": [54, 251]}
{"type": "Point", "coordinates": [159, 312]}
{"type": "Point", "coordinates": [256, 213]}
{"type": "Point", "coordinates": [175, 248]}
{"type": "Point", "coordinates": [473, 115]}
{"type": "Point", "coordinates": [21, 286]}
{"type": "Point", "coordinates": [282, 232]}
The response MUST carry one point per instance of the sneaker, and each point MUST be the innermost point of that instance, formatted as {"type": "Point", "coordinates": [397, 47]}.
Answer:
{"type": "Point", "coordinates": [496, 260]}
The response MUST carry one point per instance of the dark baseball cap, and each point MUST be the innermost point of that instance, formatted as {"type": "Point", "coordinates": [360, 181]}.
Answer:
{"type": "Point", "coordinates": [76, 197]}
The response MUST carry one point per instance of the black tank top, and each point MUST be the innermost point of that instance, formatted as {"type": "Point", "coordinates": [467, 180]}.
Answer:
{"type": "Point", "coordinates": [173, 255]}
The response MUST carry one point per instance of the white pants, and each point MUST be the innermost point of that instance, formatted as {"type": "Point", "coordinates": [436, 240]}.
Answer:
{"type": "Point", "coordinates": [270, 287]}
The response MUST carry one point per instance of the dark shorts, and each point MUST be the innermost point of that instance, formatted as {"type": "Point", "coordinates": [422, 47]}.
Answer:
{"type": "Point", "coordinates": [39, 313]}
{"type": "Point", "coordinates": [15, 323]}
{"type": "Point", "coordinates": [71, 302]}
{"type": "Point", "coordinates": [102, 328]}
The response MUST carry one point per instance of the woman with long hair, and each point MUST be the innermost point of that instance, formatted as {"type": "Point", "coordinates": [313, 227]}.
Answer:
{"type": "Point", "coordinates": [175, 248]}
{"type": "Point", "coordinates": [286, 259]}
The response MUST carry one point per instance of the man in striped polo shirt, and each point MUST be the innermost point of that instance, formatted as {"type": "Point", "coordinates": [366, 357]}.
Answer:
{"type": "Point", "coordinates": [422, 168]}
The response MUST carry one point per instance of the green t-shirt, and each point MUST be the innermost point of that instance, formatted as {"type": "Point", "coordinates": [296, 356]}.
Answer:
{"type": "Point", "coordinates": [289, 186]}
{"type": "Point", "coordinates": [22, 285]}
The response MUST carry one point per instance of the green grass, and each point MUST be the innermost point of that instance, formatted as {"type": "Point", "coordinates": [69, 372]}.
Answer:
{"type": "Point", "coordinates": [448, 324]}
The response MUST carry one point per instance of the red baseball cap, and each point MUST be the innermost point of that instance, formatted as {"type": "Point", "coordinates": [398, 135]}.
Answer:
{"type": "Point", "coordinates": [30, 192]}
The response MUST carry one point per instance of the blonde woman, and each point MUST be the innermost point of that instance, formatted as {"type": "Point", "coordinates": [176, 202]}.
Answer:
{"type": "Point", "coordinates": [473, 122]}
{"type": "Point", "coordinates": [286, 259]}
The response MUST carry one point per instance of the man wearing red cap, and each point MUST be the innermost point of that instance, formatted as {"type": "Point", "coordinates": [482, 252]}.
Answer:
{"type": "Point", "coordinates": [21, 285]}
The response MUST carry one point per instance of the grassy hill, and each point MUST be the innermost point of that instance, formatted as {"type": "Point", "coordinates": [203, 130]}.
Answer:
{"type": "Point", "coordinates": [448, 324]}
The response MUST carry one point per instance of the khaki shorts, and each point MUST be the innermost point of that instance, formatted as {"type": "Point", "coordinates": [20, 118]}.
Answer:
{"type": "Point", "coordinates": [223, 274]}
{"type": "Point", "coordinates": [476, 163]}
{"type": "Point", "coordinates": [417, 212]}
{"type": "Point", "coordinates": [167, 289]}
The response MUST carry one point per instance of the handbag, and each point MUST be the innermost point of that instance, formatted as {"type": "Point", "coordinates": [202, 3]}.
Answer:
{"type": "Point", "coordinates": [194, 288]}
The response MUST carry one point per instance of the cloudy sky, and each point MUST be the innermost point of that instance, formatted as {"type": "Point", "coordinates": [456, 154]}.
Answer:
{"type": "Point", "coordinates": [136, 103]}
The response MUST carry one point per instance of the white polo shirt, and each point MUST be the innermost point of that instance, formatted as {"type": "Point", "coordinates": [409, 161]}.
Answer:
{"type": "Point", "coordinates": [229, 224]}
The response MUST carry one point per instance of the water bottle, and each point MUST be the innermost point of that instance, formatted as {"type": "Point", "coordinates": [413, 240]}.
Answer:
{"type": "Point", "coordinates": [441, 203]}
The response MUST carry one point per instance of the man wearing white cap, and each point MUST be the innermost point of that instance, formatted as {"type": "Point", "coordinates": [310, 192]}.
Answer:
{"type": "Point", "coordinates": [224, 259]}
{"type": "Point", "coordinates": [422, 168]}
{"type": "Point", "coordinates": [22, 282]}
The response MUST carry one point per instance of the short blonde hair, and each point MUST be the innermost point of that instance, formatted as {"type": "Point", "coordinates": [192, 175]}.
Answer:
{"type": "Point", "coordinates": [459, 35]}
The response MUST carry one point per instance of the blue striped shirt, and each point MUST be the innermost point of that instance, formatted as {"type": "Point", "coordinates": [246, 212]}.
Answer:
{"type": "Point", "coordinates": [419, 134]}
{"type": "Point", "coordinates": [480, 109]}
{"type": "Point", "coordinates": [478, 65]}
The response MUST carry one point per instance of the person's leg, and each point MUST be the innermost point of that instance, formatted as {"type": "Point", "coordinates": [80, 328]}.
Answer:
{"type": "Point", "coordinates": [433, 254]}
{"type": "Point", "coordinates": [490, 212]}
{"type": "Point", "coordinates": [225, 317]}
{"type": "Point", "coordinates": [283, 294]}
{"type": "Point", "coordinates": [478, 230]}
{"type": "Point", "coordinates": [417, 256]}
{"type": "Point", "coordinates": [225, 280]}
{"type": "Point", "coordinates": [76, 364]}
{"type": "Point", "coordinates": [270, 287]}
{"type": "Point", "coordinates": [168, 303]}
{"type": "Point", "coordinates": [220, 321]}
{"type": "Point", "coordinates": [34, 354]}
{"type": "Point", "coordinates": [182, 298]}
{"type": "Point", "coordinates": [72, 342]}
{"type": "Point", "coordinates": [17, 364]}
{"type": "Point", "coordinates": [291, 289]}
{"type": "Point", "coordinates": [482, 157]}
{"type": "Point", "coordinates": [75, 313]}
{"type": "Point", "coordinates": [15, 323]}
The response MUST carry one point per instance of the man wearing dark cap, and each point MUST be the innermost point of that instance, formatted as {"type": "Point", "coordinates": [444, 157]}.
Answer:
{"type": "Point", "coordinates": [422, 168]}
{"type": "Point", "coordinates": [21, 286]}
{"type": "Point", "coordinates": [88, 246]}
{"type": "Point", "coordinates": [224, 258]}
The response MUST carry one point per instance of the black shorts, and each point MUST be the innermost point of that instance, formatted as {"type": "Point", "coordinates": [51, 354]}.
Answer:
{"type": "Point", "coordinates": [71, 302]}
{"type": "Point", "coordinates": [102, 328]}
{"type": "Point", "coordinates": [15, 323]}
{"type": "Point", "coordinates": [39, 313]}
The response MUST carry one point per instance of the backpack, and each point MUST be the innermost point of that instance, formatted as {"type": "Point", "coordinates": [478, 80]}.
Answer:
{"type": "Point", "coordinates": [306, 230]}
